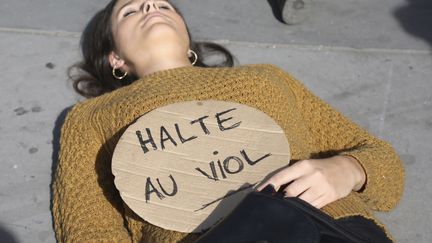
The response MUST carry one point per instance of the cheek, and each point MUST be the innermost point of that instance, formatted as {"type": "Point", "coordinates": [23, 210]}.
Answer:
{"type": "Point", "coordinates": [183, 31]}
{"type": "Point", "coordinates": [124, 38]}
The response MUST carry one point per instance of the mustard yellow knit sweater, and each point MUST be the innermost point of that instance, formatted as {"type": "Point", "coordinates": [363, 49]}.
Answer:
{"type": "Point", "coordinates": [88, 208]}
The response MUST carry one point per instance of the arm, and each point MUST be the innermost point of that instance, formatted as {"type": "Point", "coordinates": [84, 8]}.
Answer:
{"type": "Point", "coordinates": [81, 210]}
{"type": "Point", "coordinates": [336, 134]}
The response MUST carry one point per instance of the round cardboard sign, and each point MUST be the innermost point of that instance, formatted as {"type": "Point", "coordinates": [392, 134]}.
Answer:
{"type": "Point", "coordinates": [185, 166]}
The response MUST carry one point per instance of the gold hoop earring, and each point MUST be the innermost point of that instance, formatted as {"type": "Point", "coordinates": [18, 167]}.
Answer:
{"type": "Point", "coordinates": [115, 75]}
{"type": "Point", "coordinates": [192, 53]}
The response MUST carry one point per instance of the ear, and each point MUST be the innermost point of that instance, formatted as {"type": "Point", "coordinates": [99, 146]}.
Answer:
{"type": "Point", "coordinates": [115, 60]}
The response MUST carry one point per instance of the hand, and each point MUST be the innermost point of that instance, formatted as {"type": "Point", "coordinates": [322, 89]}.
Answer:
{"type": "Point", "coordinates": [320, 181]}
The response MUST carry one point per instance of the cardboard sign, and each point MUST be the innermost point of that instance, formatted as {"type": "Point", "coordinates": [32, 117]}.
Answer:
{"type": "Point", "coordinates": [185, 166]}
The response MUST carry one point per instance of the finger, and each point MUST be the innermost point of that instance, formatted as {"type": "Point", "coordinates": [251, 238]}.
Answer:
{"type": "Point", "coordinates": [287, 175]}
{"type": "Point", "coordinates": [319, 202]}
{"type": "Point", "coordinates": [298, 186]}
{"type": "Point", "coordinates": [311, 194]}
{"type": "Point", "coordinates": [262, 186]}
{"type": "Point", "coordinates": [322, 201]}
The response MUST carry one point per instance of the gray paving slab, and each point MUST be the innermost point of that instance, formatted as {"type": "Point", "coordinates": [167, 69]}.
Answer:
{"type": "Point", "coordinates": [389, 94]}
{"type": "Point", "coordinates": [373, 88]}
{"type": "Point", "coordinates": [48, 14]}
{"type": "Point", "coordinates": [34, 92]}
{"type": "Point", "coordinates": [353, 23]}
{"type": "Point", "coordinates": [408, 123]}
{"type": "Point", "coordinates": [360, 24]}
{"type": "Point", "coordinates": [383, 83]}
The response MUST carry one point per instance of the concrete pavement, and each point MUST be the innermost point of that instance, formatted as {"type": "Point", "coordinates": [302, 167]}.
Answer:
{"type": "Point", "coordinates": [372, 60]}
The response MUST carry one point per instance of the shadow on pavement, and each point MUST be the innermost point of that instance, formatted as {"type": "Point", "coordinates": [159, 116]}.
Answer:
{"type": "Point", "coordinates": [56, 148]}
{"type": "Point", "coordinates": [6, 236]}
{"type": "Point", "coordinates": [276, 6]}
{"type": "Point", "coordinates": [416, 18]}
{"type": "Point", "coordinates": [56, 138]}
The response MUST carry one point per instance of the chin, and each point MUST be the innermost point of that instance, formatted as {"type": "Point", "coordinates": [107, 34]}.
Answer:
{"type": "Point", "coordinates": [162, 32]}
{"type": "Point", "coordinates": [158, 26]}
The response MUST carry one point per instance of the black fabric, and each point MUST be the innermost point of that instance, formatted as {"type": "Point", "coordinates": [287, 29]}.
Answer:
{"type": "Point", "coordinates": [365, 228]}
{"type": "Point", "coordinates": [267, 217]}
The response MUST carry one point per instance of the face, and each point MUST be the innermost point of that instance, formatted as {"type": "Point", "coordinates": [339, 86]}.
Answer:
{"type": "Point", "coordinates": [146, 31]}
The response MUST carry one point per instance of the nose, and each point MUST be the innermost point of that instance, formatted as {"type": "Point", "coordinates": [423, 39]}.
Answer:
{"type": "Point", "coordinates": [150, 6]}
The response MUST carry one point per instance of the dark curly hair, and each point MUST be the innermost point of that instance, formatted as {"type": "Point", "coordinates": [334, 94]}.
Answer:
{"type": "Point", "coordinates": [92, 76]}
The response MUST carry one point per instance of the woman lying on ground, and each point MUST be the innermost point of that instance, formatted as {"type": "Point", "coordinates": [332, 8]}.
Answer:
{"type": "Point", "coordinates": [138, 56]}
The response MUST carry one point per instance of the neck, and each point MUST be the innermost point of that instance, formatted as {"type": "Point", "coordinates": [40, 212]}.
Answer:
{"type": "Point", "coordinates": [161, 64]}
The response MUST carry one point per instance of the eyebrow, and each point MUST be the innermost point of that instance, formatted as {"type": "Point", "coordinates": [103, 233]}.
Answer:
{"type": "Point", "coordinates": [124, 5]}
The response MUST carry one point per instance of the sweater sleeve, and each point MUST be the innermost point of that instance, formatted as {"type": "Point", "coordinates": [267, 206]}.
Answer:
{"type": "Point", "coordinates": [337, 135]}
{"type": "Point", "coordinates": [85, 208]}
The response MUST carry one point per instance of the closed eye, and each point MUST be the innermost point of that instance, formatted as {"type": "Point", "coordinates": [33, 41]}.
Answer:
{"type": "Point", "coordinates": [129, 12]}
{"type": "Point", "coordinates": [161, 5]}
{"type": "Point", "coordinates": [164, 5]}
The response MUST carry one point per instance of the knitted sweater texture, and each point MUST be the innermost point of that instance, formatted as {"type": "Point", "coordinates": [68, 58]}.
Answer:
{"type": "Point", "coordinates": [86, 205]}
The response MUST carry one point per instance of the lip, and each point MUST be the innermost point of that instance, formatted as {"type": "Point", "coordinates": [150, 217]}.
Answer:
{"type": "Point", "coordinates": [150, 16]}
